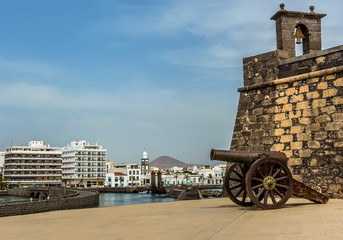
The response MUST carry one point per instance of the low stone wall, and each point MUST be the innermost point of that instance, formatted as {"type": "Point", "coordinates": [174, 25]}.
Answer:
{"type": "Point", "coordinates": [78, 199]}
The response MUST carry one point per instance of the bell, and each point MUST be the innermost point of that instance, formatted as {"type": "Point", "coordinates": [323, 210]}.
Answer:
{"type": "Point", "coordinates": [299, 35]}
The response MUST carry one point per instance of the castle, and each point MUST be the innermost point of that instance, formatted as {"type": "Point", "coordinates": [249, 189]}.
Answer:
{"type": "Point", "coordinates": [294, 104]}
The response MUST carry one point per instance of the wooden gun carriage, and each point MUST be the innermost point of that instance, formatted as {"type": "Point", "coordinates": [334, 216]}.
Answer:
{"type": "Point", "coordinates": [262, 178]}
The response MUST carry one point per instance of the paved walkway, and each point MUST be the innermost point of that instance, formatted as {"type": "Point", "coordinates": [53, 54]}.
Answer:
{"type": "Point", "coordinates": [199, 219]}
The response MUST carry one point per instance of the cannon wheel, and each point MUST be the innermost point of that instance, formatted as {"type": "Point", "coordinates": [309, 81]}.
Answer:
{"type": "Point", "coordinates": [234, 184]}
{"type": "Point", "coordinates": [269, 183]}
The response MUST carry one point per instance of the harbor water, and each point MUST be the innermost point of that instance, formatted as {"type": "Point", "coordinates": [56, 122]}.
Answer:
{"type": "Point", "coordinates": [117, 199]}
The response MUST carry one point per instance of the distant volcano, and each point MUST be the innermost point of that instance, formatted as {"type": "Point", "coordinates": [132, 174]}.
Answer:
{"type": "Point", "coordinates": [164, 162]}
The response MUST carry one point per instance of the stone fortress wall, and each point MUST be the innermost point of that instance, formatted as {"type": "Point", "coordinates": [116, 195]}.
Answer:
{"type": "Point", "coordinates": [58, 200]}
{"type": "Point", "coordinates": [294, 105]}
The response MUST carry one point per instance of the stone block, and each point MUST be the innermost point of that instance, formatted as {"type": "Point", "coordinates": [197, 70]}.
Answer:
{"type": "Point", "coordinates": [338, 144]}
{"type": "Point", "coordinates": [294, 114]}
{"type": "Point", "coordinates": [302, 105]}
{"type": "Point", "coordinates": [311, 112]}
{"type": "Point", "coordinates": [322, 86]}
{"type": "Point", "coordinates": [337, 100]}
{"type": "Point", "coordinates": [257, 111]}
{"type": "Point", "coordinates": [337, 117]}
{"type": "Point", "coordinates": [296, 145]}
{"type": "Point", "coordinates": [340, 134]}
{"type": "Point", "coordinates": [313, 162]}
{"type": "Point", "coordinates": [288, 153]}
{"type": "Point", "coordinates": [320, 59]}
{"type": "Point", "coordinates": [313, 144]}
{"type": "Point", "coordinates": [286, 123]}
{"type": "Point", "coordinates": [318, 103]}
{"type": "Point", "coordinates": [287, 108]}
{"type": "Point", "coordinates": [304, 136]}
{"type": "Point", "coordinates": [333, 126]}
{"type": "Point", "coordinates": [305, 153]}
{"type": "Point", "coordinates": [282, 100]}
{"type": "Point", "coordinates": [330, 92]}
{"type": "Point", "coordinates": [322, 118]}
{"type": "Point", "coordinates": [303, 89]}
{"type": "Point", "coordinates": [268, 140]}
{"type": "Point", "coordinates": [290, 91]}
{"type": "Point", "coordinates": [330, 77]}
{"type": "Point", "coordinates": [281, 86]}
{"type": "Point", "coordinates": [295, 161]}
{"type": "Point", "coordinates": [313, 127]}
{"type": "Point", "coordinates": [286, 138]}
{"type": "Point", "coordinates": [320, 135]}
{"type": "Point", "coordinates": [338, 82]}
{"type": "Point", "coordinates": [279, 132]}
{"type": "Point", "coordinates": [304, 121]}
{"type": "Point", "coordinates": [329, 109]}
{"type": "Point", "coordinates": [313, 80]}
{"type": "Point", "coordinates": [280, 117]}
{"type": "Point", "coordinates": [273, 110]}
{"type": "Point", "coordinates": [297, 98]}
{"type": "Point", "coordinates": [311, 95]}
{"type": "Point", "coordinates": [277, 147]}
{"type": "Point", "coordinates": [297, 129]}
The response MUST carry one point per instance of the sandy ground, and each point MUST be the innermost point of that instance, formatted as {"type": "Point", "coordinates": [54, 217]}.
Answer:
{"type": "Point", "coordinates": [198, 219]}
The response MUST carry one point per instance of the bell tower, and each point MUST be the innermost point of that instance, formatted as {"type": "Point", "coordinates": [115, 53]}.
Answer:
{"type": "Point", "coordinates": [305, 27]}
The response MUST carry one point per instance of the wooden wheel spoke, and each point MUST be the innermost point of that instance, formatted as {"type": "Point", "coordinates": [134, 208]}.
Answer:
{"type": "Point", "coordinates": [261, 174]}
{"type": "Point", "coordinates": [239, 192]}
{"type": "Point", "coordinates": [277, 172]}
{"type": "Point", "coordinates": [265, 169]}
{"type": "Point", "coordinates": [265, 200]}
{"type": "Point", "coordinates": [257, 186]}
{"type": "Point", "coordinates": [237, 173]}
{"type": "Point", "coordinates": [244, 196]}
{"type": "Point", "coordinates": [257, 179]}
{"type": "Point", "coordinates": [242, 168]}
{"type": "Point", "coordinates": [235, 179]}
{"type": "Point", "coordinates": [271, 169]}
{"type": "Point", "coordinates": [278, 193]}
{"type": "Point", "coordinates": [271, 193]}
{"type": "Point", "coordinates": [260, 193]}
{"type": "Point", "coordinates": [236, 186]}
{"type": "Point", "coordinates": [281, 186]}
{"type": "Point", "coordinates": [281, 178]}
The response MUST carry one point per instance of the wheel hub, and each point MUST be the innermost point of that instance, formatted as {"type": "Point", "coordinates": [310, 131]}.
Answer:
{"type": "Point", "coordinates": [269, 183]}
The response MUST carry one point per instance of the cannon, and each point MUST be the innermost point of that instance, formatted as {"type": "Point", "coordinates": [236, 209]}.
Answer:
{"type": "Point", "coordinates": [262, 178]}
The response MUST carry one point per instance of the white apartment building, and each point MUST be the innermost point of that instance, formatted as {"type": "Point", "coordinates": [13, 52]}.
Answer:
{"type": "Point", "coordinates": [132, 171]}
{"type": "Point", "coordinates": [116, 179]}
{"type": "Point", "coordinates": [34, 165]}
{"type": "Point", "coordinates": [2, 161]}
{"type": "Point", "coordinates": [84, 165]}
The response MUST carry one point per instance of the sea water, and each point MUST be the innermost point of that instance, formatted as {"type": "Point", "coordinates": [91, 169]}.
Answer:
{"type": "Point", "coordinates": [117, 199]}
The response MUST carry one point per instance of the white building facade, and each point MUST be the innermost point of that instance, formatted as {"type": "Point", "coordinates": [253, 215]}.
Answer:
{"type": "Point", "coordinates": [33, 165]}
{"type": "Point", "coordinates": [84, 165]}
{"type": "Point", "coordinates": [130, 173]}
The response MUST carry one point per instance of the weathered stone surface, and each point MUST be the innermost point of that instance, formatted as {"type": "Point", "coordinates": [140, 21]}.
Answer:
{"type": "Point", "coordinates": [303, 117]}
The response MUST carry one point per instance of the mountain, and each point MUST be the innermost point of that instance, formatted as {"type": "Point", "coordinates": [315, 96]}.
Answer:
{"type": "Point", "coordinates": [164, 162]}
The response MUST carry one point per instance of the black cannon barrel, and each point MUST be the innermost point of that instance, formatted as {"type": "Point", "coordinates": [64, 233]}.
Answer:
{"type": "Point", "coordinates": [245, 157]}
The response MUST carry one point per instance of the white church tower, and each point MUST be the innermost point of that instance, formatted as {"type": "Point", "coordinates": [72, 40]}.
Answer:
{"type": "Point", "coordinates": [145, 163]}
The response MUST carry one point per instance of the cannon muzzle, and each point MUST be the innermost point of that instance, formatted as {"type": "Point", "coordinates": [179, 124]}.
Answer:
{"type": "Point", "coordinates": [245, 157]}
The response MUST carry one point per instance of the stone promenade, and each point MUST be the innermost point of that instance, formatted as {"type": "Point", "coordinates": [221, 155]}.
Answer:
{"type": "Point", "coordinates": [198, 219]}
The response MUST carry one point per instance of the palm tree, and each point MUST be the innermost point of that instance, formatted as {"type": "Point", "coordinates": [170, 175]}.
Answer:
{"type": "Point", "coordinates": [133, 179]}
{"type": "Point", "coordinates": [121, 179]}
{"type": "Point", "coordinates": [202, 179]}
{"type": "Point", "coordinates": [187, 178]}
{"type": "Point", "coordinates": [210, 177]}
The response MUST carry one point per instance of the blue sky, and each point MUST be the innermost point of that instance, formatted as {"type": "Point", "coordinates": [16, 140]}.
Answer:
{"type": "Point", "coordinates": [134, 74]}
